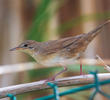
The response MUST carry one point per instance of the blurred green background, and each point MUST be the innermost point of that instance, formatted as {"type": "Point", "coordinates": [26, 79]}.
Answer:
{"type": "Point", "coordinates": [44, 20]}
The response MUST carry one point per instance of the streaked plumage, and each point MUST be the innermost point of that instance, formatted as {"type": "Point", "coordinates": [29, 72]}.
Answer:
{"type": "Point", "coordinates": [59, 52]}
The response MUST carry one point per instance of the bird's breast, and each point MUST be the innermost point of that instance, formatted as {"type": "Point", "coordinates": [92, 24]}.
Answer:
{"type": "Point", "coordinates": [56, 60]}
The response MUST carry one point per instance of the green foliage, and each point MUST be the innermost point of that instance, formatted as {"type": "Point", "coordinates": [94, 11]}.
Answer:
{"type": "Point", "coordinates": [44, 13]}
{"type": "Point", "coordinates": [83, 18]}
{"type": "Point", "coordinates": [38, 28]}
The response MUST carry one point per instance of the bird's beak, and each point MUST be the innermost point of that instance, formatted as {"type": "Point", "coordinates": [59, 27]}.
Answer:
{"type": "Point", "coordinates": [13, 49]}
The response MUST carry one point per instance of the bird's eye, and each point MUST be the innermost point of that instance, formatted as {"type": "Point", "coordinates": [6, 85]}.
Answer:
{"type": "Point", "coordinates": [25, 45]}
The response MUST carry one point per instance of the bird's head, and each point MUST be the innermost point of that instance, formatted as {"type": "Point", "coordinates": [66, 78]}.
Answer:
{"type": "Point", "coordinates": [27, 46]}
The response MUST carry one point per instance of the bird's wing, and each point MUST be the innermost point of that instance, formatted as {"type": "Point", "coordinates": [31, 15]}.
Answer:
{"type": "Point", "coordinates": [55, 46]}
{"type": "Point", "coordinates": [70, 45]}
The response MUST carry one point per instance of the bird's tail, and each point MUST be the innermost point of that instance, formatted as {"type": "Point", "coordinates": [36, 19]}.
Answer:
{"type": "Point", "coordinates": [90, 35]}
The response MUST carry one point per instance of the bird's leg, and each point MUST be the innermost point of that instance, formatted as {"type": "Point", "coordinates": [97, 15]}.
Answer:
{"type": "Point", "coordinates": [65, 69]}
{"type": "Point", "coordinates": [81, 72]}
{"type": "Point", "coordinates": [54, 77]}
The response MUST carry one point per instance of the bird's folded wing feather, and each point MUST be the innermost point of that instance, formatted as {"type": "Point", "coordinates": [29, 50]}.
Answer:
{"type": "Point", "coordinates": [55, 46]}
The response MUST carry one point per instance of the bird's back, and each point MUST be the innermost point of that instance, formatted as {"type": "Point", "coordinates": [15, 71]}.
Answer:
{"type": "Point", "coordinates": [67, 48]}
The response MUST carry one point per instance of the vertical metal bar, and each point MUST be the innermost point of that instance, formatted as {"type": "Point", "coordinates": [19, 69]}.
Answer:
{"type": "Point", "coordinates": [55, 90]}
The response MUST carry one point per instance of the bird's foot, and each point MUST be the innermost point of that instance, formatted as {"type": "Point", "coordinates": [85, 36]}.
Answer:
{"type": "Point", "coordinates": [50, 79]}
{"type": "Point", "coordinates": [81, 70]}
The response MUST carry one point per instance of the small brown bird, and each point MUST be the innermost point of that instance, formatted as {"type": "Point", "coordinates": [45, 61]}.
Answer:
{"type": "Point", "coordinates": [59, 52]}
